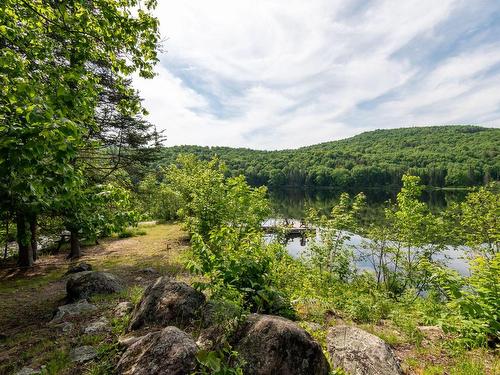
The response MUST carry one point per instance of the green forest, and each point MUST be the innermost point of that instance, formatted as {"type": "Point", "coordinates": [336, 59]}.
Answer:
{"type": "Point", "coordinates": [123, 256]}
{"type": "Point", "coordinates": [442, 156]}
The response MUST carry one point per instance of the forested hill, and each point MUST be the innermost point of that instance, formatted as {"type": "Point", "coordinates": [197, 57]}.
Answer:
{"type": "Point", "coordinates": [449, 156]}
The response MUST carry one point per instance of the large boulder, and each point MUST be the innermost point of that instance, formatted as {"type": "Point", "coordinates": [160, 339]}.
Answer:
{"type": "Point", "coordinates": [167, 352]}
{"type": "Point", "coordinates": [271, 345]}
{"type": "Point", "coordinates": [83, 285]}
{"type": "Point", "coordinates": [360, 353]}
{"type": "Point", "coordinates": [80, 267]}
{"type": "Point", "coordinates": [168, 302]}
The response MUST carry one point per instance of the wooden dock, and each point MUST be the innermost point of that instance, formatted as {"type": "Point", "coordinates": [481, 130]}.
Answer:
{"type": "Point", "coordinates": [288, 231]}
{"type": "Point", "coordinates": [290, 227]}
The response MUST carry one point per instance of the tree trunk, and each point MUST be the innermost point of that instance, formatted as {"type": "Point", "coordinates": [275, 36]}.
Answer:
{"type": "Point", "coordinates": [6, 238]}
{"type": "Point", "coordinates": [75, 251]}
{"type": "Point", "coordinates": [23, 240]}
{"type": "Point", "coordinates": [34, 244]}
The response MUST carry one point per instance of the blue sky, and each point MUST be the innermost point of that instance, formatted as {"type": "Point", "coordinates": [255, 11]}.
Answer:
{"type": "Point", "coordinates": [273, 74]}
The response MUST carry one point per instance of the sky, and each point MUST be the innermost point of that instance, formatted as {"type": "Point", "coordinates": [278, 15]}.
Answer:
{"type": "Point", "coordinates": [275, 74]}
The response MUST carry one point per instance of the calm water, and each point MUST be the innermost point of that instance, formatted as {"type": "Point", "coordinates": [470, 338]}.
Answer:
{"type": "Point", "coordinates": [451, 257]}
{"type": "Point", "coordinates": [293, 204]}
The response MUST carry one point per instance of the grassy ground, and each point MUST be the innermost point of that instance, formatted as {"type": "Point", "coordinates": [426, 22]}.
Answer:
{"type": "Point", "coordinates": [418, 355]}
{"type": "Point", "coordinates": [28, 300]}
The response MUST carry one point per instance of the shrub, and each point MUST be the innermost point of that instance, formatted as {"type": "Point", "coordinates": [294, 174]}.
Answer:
{"type": "Point", "coordinates": [478, 304]}
{"type": "Point", "coordinates": [224, 217]}
{"type": "Point", "coordinates": [472, 303]}
{"type": "Point", "coordinates": [239, 265]}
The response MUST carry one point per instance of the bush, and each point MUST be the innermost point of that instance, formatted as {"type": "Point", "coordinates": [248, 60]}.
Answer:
{"type": "Point", "coordinates": [472, 303]}
{"type": "Point", "coordinates": [224, 217]}
{"type": "Point", "coordinates": [239, 265]}
{"type": "Point", "coordinates": [478, 304]}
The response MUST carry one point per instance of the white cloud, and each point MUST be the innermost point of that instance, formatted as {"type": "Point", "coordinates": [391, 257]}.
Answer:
{"type": "Point", "coordinates": [451, 93]}
{"type": "Point", "coordinates": [278, 74]}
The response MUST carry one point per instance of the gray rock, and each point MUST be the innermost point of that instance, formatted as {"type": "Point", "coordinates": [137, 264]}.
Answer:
{"type": "Point", "coordinates": [361, 353]}
{"type": "Point", "coordinates": [128, 340]}
{"type": "Point", "coordinates": [27, 371]}
{"type": "Point", "coordinates": [82, 354]}
{"type": "Point", "coordinates": [169, 351]}
{"type": "Point", "coordinates": [80, 267]}
{"type": "Point", "coordinates": [76, 275]}
{"type": "Point", "coordinates": [73, 309]}
{"type": "Point", "coordinates": [123, 308]}
{"type": "Point", "coordinates": [66, 326]}
{"type": "Point", "coordinates": [271, 345]}
{"type": "Point", "coordinates": [168, 302]}
{"type": "Point", "coordinates": [101, 325]}
{"type": "Point", "coordinates": [83, 285]}
{"type": "Point", "coordinates": [212, 337]}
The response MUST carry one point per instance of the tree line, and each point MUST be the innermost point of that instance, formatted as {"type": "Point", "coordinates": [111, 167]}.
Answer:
{"type": "Point", "coordinates": [442, 156]}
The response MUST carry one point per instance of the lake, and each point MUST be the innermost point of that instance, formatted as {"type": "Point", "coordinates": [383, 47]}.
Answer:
{"type": "Point", "coordinates": [293, 203]}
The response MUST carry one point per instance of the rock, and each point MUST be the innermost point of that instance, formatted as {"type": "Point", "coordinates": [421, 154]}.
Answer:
{"type": "Point", "coordinates": [72, 309]}
{"type": "Point", "coordinates": [74, 276]}
{"type": "Point", "coordinates": [361, 353]}
{"type": "Point", "coordinates": [271, 345]}
{"type": "Point", "coordinates": [149, 270]}
{"type": "Point", "coordinates": [27, 371]}
{"type": "Point", "coordinates": [80, 267]}
{"type": "Point", "coordinates": [86, 284]}
{"type": "Point", "coordinates": [65, 326]}
{"type": "Point", "coordinates": [431, 334]}
{"type": "Point", "coordinates": [82, 354]}
{"type": "Point", "coordinates": [167, 302]}
{"type": "Point", "coordinates": [211, 337]}
{"type": "Point", "coordinates": [123, 308]}
{"type": "Point", "coordinates": [127, 340]}
{"type": "Point", "coordinates": [101, 325]}
{"type": "Point", "coordinates": [169, 351]}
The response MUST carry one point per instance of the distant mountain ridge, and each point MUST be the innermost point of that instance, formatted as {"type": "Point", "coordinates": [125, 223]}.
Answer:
{"type": "Point", "coordinates": [444, 156]}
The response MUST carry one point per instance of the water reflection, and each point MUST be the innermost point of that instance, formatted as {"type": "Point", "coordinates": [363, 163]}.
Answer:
{"type": "Point", "coordinates": [293, 204]}
{"type": "Point", "coordinates": [297, 241]}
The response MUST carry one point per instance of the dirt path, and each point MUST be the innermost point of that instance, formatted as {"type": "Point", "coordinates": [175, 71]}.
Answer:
{"type": "Point", "coordinates": [29, 298]}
